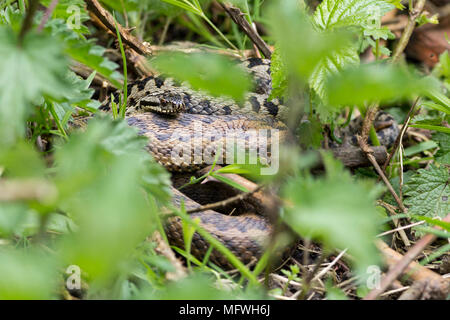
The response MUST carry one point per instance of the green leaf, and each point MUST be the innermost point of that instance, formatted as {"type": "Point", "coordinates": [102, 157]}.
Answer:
{"type": "Point", "coordinates": [335, 210]}
{"type": "Point", "coordinates": [332, 14]}
{"type": "Point", "coordinates": [374, 82]}
{"type": "Point", "coordinates": [279, 75]}
{"type": "Point", "coordinates": [27, 274]}
{"type": "Point", "coordinates": [435, 106]}
{"type": "Point", "coordinates": [213, 73]}
{"type": "Point", "coordinates": [35, 69]}
{"type": "Point", "coordinates": [99, 175]}
{"type": "Point", "coordinates": [435, 222]}
{"type": "Point", "coordinates": [443, 154]}
{"type": "Point", "coordinates": [431, 127]}
{"type": "Point", "coordinates": [427, 192]}
{"type": "Point", "coordinates": [72, 11]}
{"type": "Point", "coordinates": [84, 51]}
{"type": "Point", "coordinates": [420, 147]}
{"type": "Point", "coordinates": [330, 65]}
{"type": "Point", "coordinates": [336, 14]}
{"type": "Point", "coordinates": [292, 26]}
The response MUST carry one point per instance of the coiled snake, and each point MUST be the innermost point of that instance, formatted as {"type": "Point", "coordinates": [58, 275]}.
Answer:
{"type": "Point", "coordinates": [171, 114]}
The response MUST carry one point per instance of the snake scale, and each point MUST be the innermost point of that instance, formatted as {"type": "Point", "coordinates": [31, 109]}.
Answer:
{"type": "Point", "coordinates": [170, 113]}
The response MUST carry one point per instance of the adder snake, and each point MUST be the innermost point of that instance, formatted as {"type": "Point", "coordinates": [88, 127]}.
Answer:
{"type": "Point", "coordinates": [170, 113]}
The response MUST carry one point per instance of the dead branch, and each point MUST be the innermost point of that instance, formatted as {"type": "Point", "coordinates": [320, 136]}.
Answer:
{"type": "Point", "coordinates": [26, 190]}
{"type": "Point", "coordinates": [406, 35]}
{"type": "Point", "coordinates": [365, 147]}
{"type": "Point", "coordinates": [239, 18]}
{"type": "Point", "coordinates": [164, 249]}
{"type": "Point", "coordinates": [108, 20]}
{"type": "Point", "coordinates": [353, 157]}
{"type": "Point", "coordinates": [404, 264]}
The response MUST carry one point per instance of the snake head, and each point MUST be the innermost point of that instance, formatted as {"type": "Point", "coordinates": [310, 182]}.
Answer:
{"type": "Point", "coordinates": [169, 104]}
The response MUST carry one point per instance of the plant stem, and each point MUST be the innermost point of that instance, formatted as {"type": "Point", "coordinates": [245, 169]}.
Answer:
{"type": "Point", "coordinates": [28, 21]}
{"type": "Point", "coordinates": [406, 35]}
{"type": "Point", "coordinates": [123, 103]}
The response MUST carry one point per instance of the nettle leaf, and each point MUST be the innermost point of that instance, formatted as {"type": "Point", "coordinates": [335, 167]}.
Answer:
{"type": "Point", "coordinates": [84, 51]}
{"type": "Point", "coordinates": [336, 14]}
{"type": "Point", "coordinates": [344, 13]}
{"type": "Point", "coordinates": [335, 210]}
{"type": "Point", "coordinates": [35, 69]}
{"type": "Point", "coordinates": [443, 154]}
{"type": "Point", "coordinates": [292, 26]}
{"type": "Point", "coordinates": [330, 65]}
{"type": "Point", "coordinates": [279, 75]}
{"type": "Point", "coordinates": [213, 73]}
{"type": "Point", "coordinates": [427, 192]}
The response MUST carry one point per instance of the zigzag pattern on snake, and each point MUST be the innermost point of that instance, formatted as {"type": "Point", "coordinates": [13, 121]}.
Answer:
{"type": "Point", "coordinates": [160, 107]}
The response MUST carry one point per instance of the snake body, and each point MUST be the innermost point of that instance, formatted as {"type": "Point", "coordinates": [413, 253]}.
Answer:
{"type": "Point", "coordinates": [169, 113]}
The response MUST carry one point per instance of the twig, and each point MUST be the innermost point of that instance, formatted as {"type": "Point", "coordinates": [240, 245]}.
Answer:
{"type": "Point", "coordinates": [239, 18]}
{"type": "Point", "coordinates": [401, 232]}
{"type": "Point", "coordinates": [401, 266]}
{"type": "Point", "coordinates": [47, 14]}
{"type": "Point", "coordinates": [324, 271]}
{"type": "Point", "coordinates": [164, 32]}
{"type": "Point", "coordinates": [309, 277]}
{"type": "Point", "coordinates": [365, 147]}
{"type": "Point", "coordinates": [108, 20]}
{"type": "Point", "coordinates": [406, 35]}
{"type": "Point", "coordinates": [402, 132]}
{"type": "Point", "coordinates": [400, 228]}
{"type": "Point", "coordinates": [27, 190]}
{"type": "Point", "coordinates": [164, 249]}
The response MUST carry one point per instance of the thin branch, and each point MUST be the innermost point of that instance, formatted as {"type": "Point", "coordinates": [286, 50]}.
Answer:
{"type": "Point", "coordinates": [108, 20]}
{"type": "Point", "coordinates": [400, 136]}
{"type": "Point", "coordinates": [401, 266]}
{"type": "Point", "coordinates": [47, 14]}
{"type": "Point", "coordinates": [365, 147]}
{"type": "Point", "coordinates": [406, 35]}
{"type": "Point", "coordinates": [239, 18]}
{"type": "Point", "coordinates": [325, 270]}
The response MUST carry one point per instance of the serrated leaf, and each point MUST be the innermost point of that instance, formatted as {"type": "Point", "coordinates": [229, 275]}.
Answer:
{"type": "Point", "coordinates": [332, 14]}
{"type": "Point", "coordinates": [84, 51]}
{"type": "Point", "coordinates": [427, 192]}
{"type": "Point", "coordinates": [290, 26]}
{"type": "Point", "coordinates": [279, 75]}
{"type": "Point", "coordinates": [331, 65]}
{"type": "Point", "coordinates": [336, 14]}
{"type": "Point", "coordinates": [70, 11]}
{"type": "Point", "coordinates": [35, 69]}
